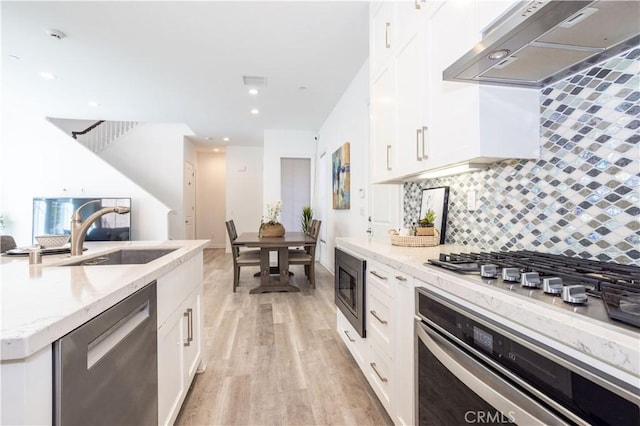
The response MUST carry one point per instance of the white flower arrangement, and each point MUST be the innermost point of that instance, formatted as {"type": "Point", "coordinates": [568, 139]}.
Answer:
{"type": "Point", "coordinates": [273, 213]}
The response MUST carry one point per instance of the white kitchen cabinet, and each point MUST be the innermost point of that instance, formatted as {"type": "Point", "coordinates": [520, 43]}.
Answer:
{"type": "Point", "coordinates": [383, 125]}
{"type": "Point", "coordinates": [412, 124]}
{"type": "Point", "coordinates": [179, 335]}
{"type": "Point", "coordinates": [386, 356]}
{"type": "Point", "coordinates": [382, 30]}
{"type": "Point", "coordinates": [404, 348]}
{"type": "Point", "coordinates": [471, 122]}
{"type": "Point", "coordinates": [398, 93]}
{"type": "Point", "coordinates": [27, 391]}
{"type": "Point", "coordinates": [357, 345]}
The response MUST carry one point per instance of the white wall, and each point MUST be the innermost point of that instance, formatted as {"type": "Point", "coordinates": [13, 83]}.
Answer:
{"type": "Point", "coordinates": [210, 198]}
{"type": "Point", "coordinates": [38, 159]}
{"type": "Point", "coordinates": [244, 187]}
{"type": "Point", "coordinates": [348, 122]}
{"type": "Point", "coordinates": [284, 144]}
{"type": "Point", "coordinates": [153, 155]}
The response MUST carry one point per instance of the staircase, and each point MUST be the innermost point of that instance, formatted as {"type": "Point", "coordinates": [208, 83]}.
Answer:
{"type": "Point", "coordinates": [100, 134]}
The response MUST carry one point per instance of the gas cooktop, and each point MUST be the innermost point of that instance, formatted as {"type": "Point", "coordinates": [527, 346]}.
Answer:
{"type": "Point", "coordinates": [600, 290]}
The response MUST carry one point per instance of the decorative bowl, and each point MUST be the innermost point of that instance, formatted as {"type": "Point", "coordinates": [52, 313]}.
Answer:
{"type": "Point", "coordinates": [52, 240]}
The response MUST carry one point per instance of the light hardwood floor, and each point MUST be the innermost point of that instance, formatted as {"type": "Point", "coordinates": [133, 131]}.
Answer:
{"type": "Point", "coordinates": [275, 358]}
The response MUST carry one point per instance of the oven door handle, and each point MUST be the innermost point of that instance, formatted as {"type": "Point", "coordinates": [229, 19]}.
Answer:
{"type": "Point", "coordinates": [514, 404]}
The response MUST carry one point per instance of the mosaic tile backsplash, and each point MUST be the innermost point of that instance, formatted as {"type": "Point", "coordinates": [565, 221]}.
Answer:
{"type": "Point", "coordinates": [582, 197]}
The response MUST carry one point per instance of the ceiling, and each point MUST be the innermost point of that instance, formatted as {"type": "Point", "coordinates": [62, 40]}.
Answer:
{"type": "Point", "coordinates": [184, 62]}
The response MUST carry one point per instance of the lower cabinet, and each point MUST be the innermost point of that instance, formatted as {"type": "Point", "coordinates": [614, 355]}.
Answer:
{"type": "Point", "coordinates": [356, 344]}
{"type": "Point", "coordinates": [179, 338]}
{"type": "Point", "coordinates": [386, 355]}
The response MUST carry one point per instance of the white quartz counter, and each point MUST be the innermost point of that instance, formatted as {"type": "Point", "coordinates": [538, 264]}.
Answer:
{"type": "Point", "coordinates": [615, 349]}
{"type": "Point", "coordinates": [41, 303]}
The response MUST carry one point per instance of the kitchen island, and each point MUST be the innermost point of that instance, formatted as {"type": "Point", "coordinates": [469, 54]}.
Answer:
{"type": "Point", "coordinates": [606, 346]}
{"type": "Point", "coordinates": [42, 303]}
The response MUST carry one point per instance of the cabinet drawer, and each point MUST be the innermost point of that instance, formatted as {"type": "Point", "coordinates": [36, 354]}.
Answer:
{"type": "Point", "coordinates": [379, 374]}
{"type": "Point", "coordinates": [356, 344]}
{"type": "Point", "coordinates": [380, 321]}
{"type": "Point", "coordinates": [175, 286]}
{"type": "Point", "coordinates": [380, 276]}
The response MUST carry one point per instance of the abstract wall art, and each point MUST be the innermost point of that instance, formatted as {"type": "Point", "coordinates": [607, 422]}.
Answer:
{"type": "Point", "coordinates": [340, 167]}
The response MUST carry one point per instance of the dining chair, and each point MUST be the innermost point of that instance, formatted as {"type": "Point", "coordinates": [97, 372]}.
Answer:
{"type": "Point", "coordinates": [240, 258]}
{"type": "Point", "coordinates": [7, 243]}
{"type": "Point", "coordinates": [307, 257]}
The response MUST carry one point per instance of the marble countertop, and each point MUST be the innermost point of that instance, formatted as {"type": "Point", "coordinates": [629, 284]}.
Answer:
{"type": "Point", "coordinates": [605, 345]}
{"type": "Point", "coordinates": [41, 303]}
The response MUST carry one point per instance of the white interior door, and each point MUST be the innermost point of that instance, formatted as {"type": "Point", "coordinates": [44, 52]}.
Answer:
{"type": "Point", "coordinates": [295, 190]}
{"type": "Point", "coordinates": [189, 201]}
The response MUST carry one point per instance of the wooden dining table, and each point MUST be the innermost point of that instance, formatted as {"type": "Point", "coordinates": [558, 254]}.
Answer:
{"type": "Point", "coordinates": [281, 245]}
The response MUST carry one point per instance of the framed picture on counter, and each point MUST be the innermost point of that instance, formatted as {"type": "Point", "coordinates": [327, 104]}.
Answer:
{"type": "Point", "coordinates": [436, 199]}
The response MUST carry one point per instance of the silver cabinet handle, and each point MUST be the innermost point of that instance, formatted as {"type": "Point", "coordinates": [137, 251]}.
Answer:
{"type": "Point", "coordinates": [388, 155]}
{"type": "Point", "coordinates": [373, 365]}
{"type": "Point", "coordinates": [418, 135]}
{"type": "Point", "coordinates": [400, 278]}
{"type": "Point", "coordinates": [377, 317]}
{"type": "Point", "coordinates": [189, 314]}
{"type": "Point", "coordinates": [349, 337]}
{"type": "Point", "coordinates": [190, 330]}
{"type": "Point", "coordinates": [386, 35]}
{"type": "Point", "coordinates": [424, 147]}
{"type": "Point", "coordinates": [375, 274]}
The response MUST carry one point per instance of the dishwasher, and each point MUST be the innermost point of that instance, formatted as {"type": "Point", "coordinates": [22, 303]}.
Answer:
{"type": "Point", "coordinates": [105, 371]}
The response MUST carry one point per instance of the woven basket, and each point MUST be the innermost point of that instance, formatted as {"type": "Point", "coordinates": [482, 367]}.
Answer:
{"type": "Point", "coordinates": [276, 230]}
{"type": "Point", "coordinates": [417, 241]}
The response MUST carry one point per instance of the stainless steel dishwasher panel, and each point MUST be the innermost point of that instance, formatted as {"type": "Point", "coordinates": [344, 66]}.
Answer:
{"type": "Point", "coordinates": [105, 371]}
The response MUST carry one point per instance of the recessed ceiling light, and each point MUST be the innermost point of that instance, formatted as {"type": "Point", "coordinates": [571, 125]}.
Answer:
{"type": "Point", "coordinates": [57, 34]}
{"type": "Point", "coordinates": [47, 75]}
{"type": "Point", "coordinates": [253, 91]}
{"type": "Point", "coordinates": [93, 104]}
{"type": "Point", "coordinates": [225, 139]}
{"type": "Point", "coordinates": [216, 150]}
{"type": "Point", "coordinates": [255, 111]}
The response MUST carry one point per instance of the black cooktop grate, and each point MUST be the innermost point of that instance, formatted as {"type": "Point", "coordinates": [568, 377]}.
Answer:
{"type": "Point", "coordinates": [618, 285]}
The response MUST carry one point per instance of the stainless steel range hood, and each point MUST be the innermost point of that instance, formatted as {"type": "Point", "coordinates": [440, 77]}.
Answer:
{"type": "Point", "coordinates": [537, 43]}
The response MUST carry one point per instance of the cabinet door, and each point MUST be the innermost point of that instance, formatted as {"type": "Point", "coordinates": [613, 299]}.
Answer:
{"type": "Point", "coordinates": [383, 116]}
{"type": "Point", "coordinates": [454, 106]}
{"type": "Point", "coordinates": [171, 381]}
{"type": "Point", "coordinates": [382, 33]}
{"type": "Point", "coordinates": [192, 327]}
{"type": "Point", "coordinates": [409, 19]}
{"type": "Point", "coordinates": [411, 94]}
{"type": "Point", "coordinates": [404, 356]}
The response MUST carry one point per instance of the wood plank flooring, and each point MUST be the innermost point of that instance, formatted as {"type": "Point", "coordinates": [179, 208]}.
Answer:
{"type": "Point", "coordinates": [275, 358]}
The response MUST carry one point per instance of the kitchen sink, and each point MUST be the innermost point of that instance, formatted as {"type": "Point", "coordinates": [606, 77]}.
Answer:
{"type": "Point", "coordinates": [124, 257]}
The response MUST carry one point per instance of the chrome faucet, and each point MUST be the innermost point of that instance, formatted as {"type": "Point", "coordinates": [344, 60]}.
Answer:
{"type": "Point", "coordinates": [79, 228]}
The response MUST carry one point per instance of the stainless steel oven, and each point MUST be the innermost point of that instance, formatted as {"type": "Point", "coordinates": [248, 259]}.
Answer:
{"type": "Point", "coordinates": [472, 370]}
{"type": "Point", "coordinates": [350, 288]}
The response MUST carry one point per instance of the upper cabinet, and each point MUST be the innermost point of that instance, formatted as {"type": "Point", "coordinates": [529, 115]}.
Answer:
{"type": "Point", "coordinates": [430, 123]}
{"type": "Point", "coordinates": [398, 88]}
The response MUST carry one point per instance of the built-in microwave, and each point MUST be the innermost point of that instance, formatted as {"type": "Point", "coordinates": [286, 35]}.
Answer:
{"type": "Point", "coordinates": [350, 288]}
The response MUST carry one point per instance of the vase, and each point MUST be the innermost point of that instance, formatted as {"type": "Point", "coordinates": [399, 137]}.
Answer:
{"type": "Point", "coordinates": [427, 230]}
{"type": "Point", "coordinates": [272, 230]}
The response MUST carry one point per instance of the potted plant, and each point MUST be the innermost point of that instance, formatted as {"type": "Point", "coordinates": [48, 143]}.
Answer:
{"type": "Point", "coordinates": [305, 218]}
{"type": "Point", "coordinates": [426, 223]}
{"type": "Point", "coordinates": [270, 225]}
